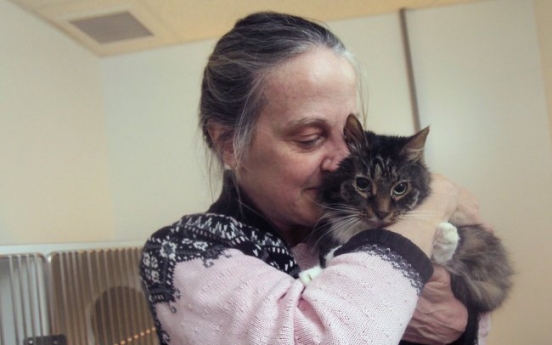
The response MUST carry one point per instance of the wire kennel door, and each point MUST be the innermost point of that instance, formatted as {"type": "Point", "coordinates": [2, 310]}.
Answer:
{"type": "Point", "coordinates": [75, 297]}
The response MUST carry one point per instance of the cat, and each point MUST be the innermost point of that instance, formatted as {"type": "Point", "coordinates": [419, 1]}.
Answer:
{"type": "Point", "coordinates": [383, 180]}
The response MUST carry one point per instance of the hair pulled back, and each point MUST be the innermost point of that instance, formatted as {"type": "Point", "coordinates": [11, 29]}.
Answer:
{"type": "Point", "coordinates": [232, 86]}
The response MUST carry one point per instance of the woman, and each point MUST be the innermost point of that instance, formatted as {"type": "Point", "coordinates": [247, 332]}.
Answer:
{"type": "Point", "coordinates": [276, 93]}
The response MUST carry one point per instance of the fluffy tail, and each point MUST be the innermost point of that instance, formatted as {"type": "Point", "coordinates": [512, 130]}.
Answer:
{"type": "Point", "coordinates": [480, 269]}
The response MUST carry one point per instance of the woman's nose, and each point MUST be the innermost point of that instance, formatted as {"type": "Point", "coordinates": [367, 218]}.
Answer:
{"type": "Point", "coordinates": [335, 156]}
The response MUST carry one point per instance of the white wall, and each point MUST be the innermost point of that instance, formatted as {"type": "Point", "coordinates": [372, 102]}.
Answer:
{"type": "Point", "coordinates": [54, 183]}
{"type": "Point", "coordinates": [480, 85]}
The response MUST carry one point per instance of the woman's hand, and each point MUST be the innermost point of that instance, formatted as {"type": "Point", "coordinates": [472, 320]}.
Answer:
{"type": "Point", "coordinates": [420, 225]}
{"type": "Point", "coordinates": [467, 211]}
{"type": "Point", "coordinates": [439, 317]}
{"type": "Point", "coordinates": [446, 202]}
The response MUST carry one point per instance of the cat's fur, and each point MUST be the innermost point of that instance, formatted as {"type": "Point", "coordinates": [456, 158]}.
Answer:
{"type": "Point", "coordinates": [381, 182]}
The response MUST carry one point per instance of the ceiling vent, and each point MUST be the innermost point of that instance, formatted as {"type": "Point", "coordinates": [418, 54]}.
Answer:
{"type": "Point", "coordinates": [110, 28]}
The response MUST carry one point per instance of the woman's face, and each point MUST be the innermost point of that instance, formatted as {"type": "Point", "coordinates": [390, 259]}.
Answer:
{"type": "Point", "coordinates": [299, 137]}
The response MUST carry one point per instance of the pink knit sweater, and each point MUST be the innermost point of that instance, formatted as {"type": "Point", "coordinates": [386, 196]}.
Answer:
{"type": "Point", "coordinates": [211, 279]}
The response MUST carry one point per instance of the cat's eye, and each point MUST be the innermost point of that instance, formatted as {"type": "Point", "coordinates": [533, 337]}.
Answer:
{"type": "Point", "coordinates": [362, 183]}
{"type": "Point", "coordinates": [400, 189]}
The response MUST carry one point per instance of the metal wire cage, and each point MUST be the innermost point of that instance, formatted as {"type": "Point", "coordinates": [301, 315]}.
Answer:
{"type": "Point", "coordinates": [76, 297]}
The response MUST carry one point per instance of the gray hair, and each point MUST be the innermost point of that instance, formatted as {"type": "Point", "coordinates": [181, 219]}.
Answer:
{"type": "Point", "coordinates": [233, 80]}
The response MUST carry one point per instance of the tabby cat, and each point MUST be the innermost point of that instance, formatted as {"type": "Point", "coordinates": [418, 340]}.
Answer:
{"type": "Point", "coordinates": [381, 181]}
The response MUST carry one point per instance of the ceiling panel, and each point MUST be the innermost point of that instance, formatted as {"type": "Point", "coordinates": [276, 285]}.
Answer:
{"type": "Point", "coordinates": [180, 21]}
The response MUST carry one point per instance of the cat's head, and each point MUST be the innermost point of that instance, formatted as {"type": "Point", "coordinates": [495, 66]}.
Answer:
{"type": "Point", "coordinates": [383, 178]}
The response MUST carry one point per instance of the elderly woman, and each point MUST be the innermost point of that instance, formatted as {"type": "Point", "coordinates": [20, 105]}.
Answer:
{"type": "Point", "coordinates": [276, 93]}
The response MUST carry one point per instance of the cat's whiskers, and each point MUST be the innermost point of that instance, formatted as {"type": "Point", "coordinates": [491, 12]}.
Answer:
{"type": "Point", "coordinates": [333, 210]}
{"type": "Point", "coordinates": [413, 215]}
{"type": "Point", "coordinates": [337, 211]}
{"type": "Point", "coordinates": [341, 218]}
{"type": "Point", "coordinates": [346, 227]}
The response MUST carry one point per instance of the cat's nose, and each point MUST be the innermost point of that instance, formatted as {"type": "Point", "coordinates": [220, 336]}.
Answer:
{"type": "Point", "coordinates": [382, 213]}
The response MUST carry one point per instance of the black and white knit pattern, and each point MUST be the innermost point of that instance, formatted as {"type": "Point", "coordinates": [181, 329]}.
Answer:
{"type": "Point", "coordinates": [205, 237]}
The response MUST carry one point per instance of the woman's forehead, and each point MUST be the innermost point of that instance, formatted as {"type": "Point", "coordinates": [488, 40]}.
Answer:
{"type": "Point", "coordinates": [310, 68]}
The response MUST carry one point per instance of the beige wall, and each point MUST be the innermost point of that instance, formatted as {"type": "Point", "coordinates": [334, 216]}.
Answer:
{"type": "Point", "coordinates": [157, 167]}
{"type": "Point", "coordinates": [543, 15]}
{"type": "Point", "coordinates": [479, 77]}
{"type": "Point", "coordinates": [54, 183]}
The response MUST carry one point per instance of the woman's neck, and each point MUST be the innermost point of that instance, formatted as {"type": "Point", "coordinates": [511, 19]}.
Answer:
{"type": "Point", "coordinates": [293, 235]}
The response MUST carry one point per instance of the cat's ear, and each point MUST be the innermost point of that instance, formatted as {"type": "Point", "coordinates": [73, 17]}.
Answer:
{"type": "Point", "coordinates": [414, 149]}
{"type": "Point", "coordinates": [354, 134]}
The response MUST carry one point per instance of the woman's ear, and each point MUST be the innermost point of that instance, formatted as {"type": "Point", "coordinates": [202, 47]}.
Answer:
{"type": "Point", "coordinates": [221, 136]}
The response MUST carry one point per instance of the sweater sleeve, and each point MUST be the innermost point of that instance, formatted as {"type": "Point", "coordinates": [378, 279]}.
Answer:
{"type": "Point", "coordinates": [366, 294]}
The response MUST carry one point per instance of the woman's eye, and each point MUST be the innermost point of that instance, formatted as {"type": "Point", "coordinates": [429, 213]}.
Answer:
{"type": "Point", "coordinates": [400, 189]}
{"type": "Point", "coordinates": [309, 143]}
{"type": "Point", "coordinates": [362, 183]}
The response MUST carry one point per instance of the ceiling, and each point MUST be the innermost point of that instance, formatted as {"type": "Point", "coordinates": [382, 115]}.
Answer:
{"type": "Point", "coordinates": [110, 27]}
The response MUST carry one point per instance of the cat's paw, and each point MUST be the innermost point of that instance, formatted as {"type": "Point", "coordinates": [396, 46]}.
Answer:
{"type": "Point", "coordinates": [330, 254]}
{"type": "Point", "coordinates": [307, 276]}
{"type": "Point", "coordinates": [444, 243]}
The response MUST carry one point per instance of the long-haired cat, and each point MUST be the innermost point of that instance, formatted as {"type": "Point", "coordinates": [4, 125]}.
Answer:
{"type": "Point", "coordinates": [383, 180]}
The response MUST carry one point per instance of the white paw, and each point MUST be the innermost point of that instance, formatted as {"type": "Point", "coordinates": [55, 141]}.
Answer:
{"type": "Point", "coordinates": [330, 254]}
{"type": "Point", "coordinates": [444, 243]}
{"type": "Point", "coordinates": [308, 275]}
